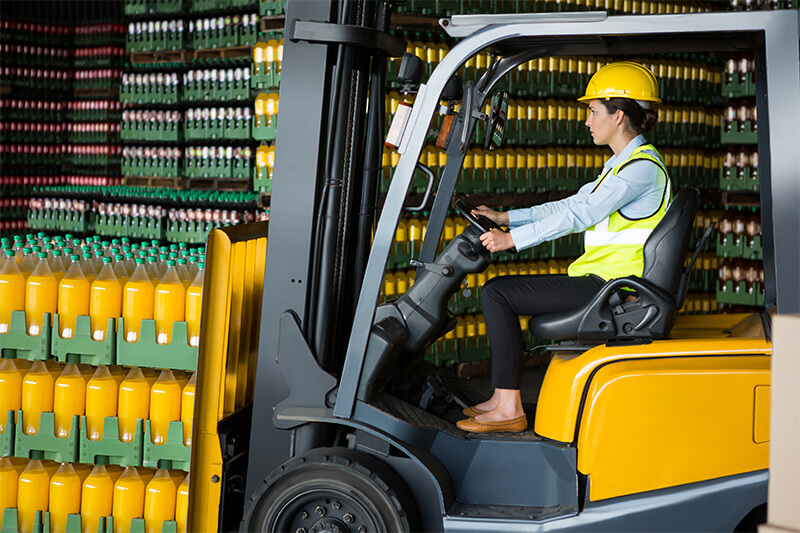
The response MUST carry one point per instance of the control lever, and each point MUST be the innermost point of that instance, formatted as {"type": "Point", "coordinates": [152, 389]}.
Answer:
{"type": "Point", "coordinates": [437, 386]}
{"type": "Point", "coordinates": [444, 270]}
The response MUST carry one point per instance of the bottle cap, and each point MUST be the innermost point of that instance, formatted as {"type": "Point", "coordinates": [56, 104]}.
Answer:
{"type": "Point", "coordinates": [170, 263]}
{"type": "Point", "coordinates": [74, 257]}
{"type": "Point", "coordinates": [107, 260]}
{"type": "Point", "coordinates": [42, 255]}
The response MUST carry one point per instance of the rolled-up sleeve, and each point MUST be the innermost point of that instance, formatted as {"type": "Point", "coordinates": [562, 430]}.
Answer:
{"type": "Point", "coordinates": [584, 209]}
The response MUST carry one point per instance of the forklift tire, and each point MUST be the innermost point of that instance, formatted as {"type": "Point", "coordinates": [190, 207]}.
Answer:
{"type": "Point", "coordinates": [329, 490]}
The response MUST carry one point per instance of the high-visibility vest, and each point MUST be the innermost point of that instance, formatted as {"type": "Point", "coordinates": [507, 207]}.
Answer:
{"type": "Point", "coordinates": [613, 248]}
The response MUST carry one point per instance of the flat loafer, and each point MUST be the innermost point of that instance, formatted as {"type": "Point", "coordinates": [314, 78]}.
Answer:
{"type": "Point", "coordinates": [472, 412]}
{"type": "Point", "coordinates": [514, 425]}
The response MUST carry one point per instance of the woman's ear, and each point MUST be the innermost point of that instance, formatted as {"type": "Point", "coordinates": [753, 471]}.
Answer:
{"type": "Point", "coordinates": [619, 117]}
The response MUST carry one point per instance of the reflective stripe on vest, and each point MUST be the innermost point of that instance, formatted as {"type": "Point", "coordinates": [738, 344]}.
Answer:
{"type": "Point", "coordinates": [613, 248]}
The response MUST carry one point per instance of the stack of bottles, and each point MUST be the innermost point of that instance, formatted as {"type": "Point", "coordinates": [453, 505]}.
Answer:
{"type": "Point", "coordinates": [218, 162]}
{"type": "Point", "coordinates": [93, 132]}
{"type": "Point", "coordinates": [100, 56]}
{"type": "Point", "coordinates": [149, 7]}
{"type": "Point", "coordinates": [96, 79]}
{"type": "Point", "coordinates": [740, 170]}
{"type": "Point", "coordinates": [151, 88]}
{"type": "Point", "coordinates": [216, 85]}
{"type": "Point", "coordinates": [155, 36]}
{"type": "Point", "coordinates": [17, 132]}
{"type": "Point", "coordinates": [95, 155]}
{"type": "Point", "coordinates": [217, 123]}
{"type": "Point", "coordinates": [267, 60]}
{"type": "Point", "coordinates": [104, 280]}
{"type": "Point", "coordinates": [162, 161]}
{"type": "Point", "coordinates": [48, 396]}
{"type": "Point", "coordinates": [76, 496]}
{"type": "Point", "coordinates": [740, 124]}
{"type": "Point", "coordinates": [145, 212]}
{"type": "Point", "coordinates": [198, 6]}
{"type": "Point", "coordinates": [265, 162]}
{"type": "Point", "coordinates": [85, 110]}
{"type": "Point", "coordinates": [223, 32]}
{"type": "Point", "coordinates": [151, 125]}
{"type": "Point", "coordinates": [265, 120]}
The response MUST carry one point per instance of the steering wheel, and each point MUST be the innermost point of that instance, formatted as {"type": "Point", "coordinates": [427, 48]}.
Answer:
{"type": "Point", "coordinates": [481, 222]}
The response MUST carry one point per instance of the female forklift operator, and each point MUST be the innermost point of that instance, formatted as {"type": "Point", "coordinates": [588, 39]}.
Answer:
{"type": "Point", "coordinates": [616, 212]}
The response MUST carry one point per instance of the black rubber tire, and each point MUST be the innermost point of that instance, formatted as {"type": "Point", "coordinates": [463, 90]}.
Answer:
{"type": "Point", "coordinates": [366, 488]}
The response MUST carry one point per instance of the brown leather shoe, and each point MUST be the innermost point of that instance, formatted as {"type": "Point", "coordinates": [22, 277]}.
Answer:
{"type": "Point", "coordinates": [472, 412]}
{"type": "Point", "coordinates": [514, 425]}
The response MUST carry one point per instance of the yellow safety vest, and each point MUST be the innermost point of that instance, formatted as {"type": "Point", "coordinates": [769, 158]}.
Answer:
{"type": "Point", "coordinates": [613, 248]}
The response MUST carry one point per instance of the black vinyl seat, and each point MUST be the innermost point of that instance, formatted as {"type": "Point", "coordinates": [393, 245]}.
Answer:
{"type": "Point", "coordinates": [661, 289]}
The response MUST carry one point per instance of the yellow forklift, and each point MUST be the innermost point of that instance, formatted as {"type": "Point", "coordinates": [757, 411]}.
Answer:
{"type": "Point", "coordinates": [316, 411]}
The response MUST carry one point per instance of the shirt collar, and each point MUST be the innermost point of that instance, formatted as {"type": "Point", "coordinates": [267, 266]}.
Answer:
{"type": "Point", "coordinates": [635, 143]}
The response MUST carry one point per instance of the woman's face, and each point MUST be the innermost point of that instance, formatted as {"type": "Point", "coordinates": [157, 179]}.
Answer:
{"type": "Point", "coordinates": [602, 125]}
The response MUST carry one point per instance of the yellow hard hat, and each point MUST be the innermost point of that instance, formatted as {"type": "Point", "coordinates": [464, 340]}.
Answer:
{"type": "Point", "coordinates": [623, 79]}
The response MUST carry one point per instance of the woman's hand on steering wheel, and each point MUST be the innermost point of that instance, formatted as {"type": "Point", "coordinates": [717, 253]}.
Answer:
{"type": "Point", "coordinates": [498, 217]}
{"type": "Point", "coordinates": [496, 240]}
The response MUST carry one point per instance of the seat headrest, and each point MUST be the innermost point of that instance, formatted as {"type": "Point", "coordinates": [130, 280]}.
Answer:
{"type": "Point", "coordinates": [666, 247]}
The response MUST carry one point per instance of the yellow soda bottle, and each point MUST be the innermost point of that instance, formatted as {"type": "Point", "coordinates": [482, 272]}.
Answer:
{"type": "Point", "coordinates": [101, 401]}
{"type": "Point", "coordinates": [65, 497]}
{"type": "Point", "coordinates": [159, 501]}
{"type": "Point", "coordinates": [87, 265]}
{"type": "Point", "coordinates": [11, 373]}
{"type": "Point", "coordinates": [105, 300]}
{"type": "Point", "coordinates": [57, 265]}
{"type": "Point", "coordinates": [182, 505]}
{"type": "Point", "coordinates": [194, 299]}
{"type": "Point", "coordinates": [73, 298]}
{"type": "Point", "coordinates": [119, 269]}
{"type": "Point", "coordinates": [165, 406]}
{"type": "Point", "coordinates": [27, 262]}
{"type": "Point", "coordinates": [152, 270]}
{"type": "Point", "coordinates": [33, 490]}
{"type": "Point", "coordinates": [187, 409]}
{"type": "Point", "coordinates": [96, 497]}
{"type": "Point", "coordinates": [128, 499]}
{"type": "Point", "coordinates": [170, 303]}
{"type": "Point", "coordinates": [41, 296]}
{"type": "Point", "coordinates": [134, 403]}
{"type": "Point", "coordinates": [12, 291]}
{"type": "Point", "coordinates": [137, 301]}
{"type": "Point", "coordinates": [37, 396]}
{"type": "Point", "coordinates": [10, 469]}
{"type": "Point", "coordinates": [69, 399]}
{"type": "Point", "coordinates": [183, 272]}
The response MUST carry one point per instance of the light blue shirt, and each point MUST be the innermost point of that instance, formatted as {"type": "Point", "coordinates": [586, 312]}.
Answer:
{"type": "Point", "coordinates": [634, 190]}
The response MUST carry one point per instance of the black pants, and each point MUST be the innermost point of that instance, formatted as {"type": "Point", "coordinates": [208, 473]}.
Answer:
{"type": "Point", "coordinates": [504, 298]}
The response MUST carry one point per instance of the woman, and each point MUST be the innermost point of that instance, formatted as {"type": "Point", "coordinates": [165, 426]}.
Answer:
{"type": "Point", "coordinates": [617, 212]}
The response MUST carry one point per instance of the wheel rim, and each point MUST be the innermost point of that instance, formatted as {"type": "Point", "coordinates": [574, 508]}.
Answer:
{"type": "Point", "coordinates": [326, 510]}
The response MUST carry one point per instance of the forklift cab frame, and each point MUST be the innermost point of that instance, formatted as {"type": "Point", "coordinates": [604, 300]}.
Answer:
{"type": "Point", "coordinates": [455, 481]}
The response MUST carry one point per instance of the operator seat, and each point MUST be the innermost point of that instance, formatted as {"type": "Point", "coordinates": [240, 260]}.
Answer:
{"type": "Point", "coordinates": [661, 289]}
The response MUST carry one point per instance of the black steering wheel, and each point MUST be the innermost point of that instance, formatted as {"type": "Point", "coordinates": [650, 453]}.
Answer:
{"type": "Point", "coordinates": [481, 222]}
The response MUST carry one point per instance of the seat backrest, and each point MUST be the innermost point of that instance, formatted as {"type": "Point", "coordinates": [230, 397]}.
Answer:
{"type": "Point", "coordinates": [666, 247]}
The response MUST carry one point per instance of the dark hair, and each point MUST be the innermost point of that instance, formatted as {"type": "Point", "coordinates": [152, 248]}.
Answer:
{"type": "Point", "coordinates": [640, 120]}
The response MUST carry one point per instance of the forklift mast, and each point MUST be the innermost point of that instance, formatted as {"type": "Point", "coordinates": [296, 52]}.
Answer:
{"type": "Point", "coordinates": [329, 151]}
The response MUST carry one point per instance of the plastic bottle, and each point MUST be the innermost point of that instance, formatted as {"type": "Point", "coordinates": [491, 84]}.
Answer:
{"type": "Point", "coordinates": [65, 497]}
{"type": "Point", "coordinates": [57, 265]}
{"type": "Point", "coordinates": [101, 401]}
{"type": "Point", "coordinates": [137, 302]}
{"type": "Point", "coordinates": [159, 501]}
{"type": "Point", "coordinates": [165, 406]}
{"type": "Point", "coordinates": [194, 300]}
{"type": "Point", "coordinates": [134, 403]}
{"type": "Point", "coordinates": [37, 396]}
{"type": "Point", "coordinates": [96, 497]}
{"type": "Point", "coordinates": [187, 409]}
{"type": "Point", "coordinates": [169, 304]}
{"type": "Point", "coordinates": [12, 291]}
{"type": "Point", "coordinates": [41, 296]}
{"type": "Point", "coordinates": [9, 480]}
{"type": "Point", "coordinates": [128, 499]}
{"type": "Point", "coordinates": [73, 298]}
{"type": "Point", "coordinates": [69, 399]}
{"type": "Point", "coordinates": [87, 265]}
{"type": "Point", "coordinates": [105, 300]}
{"type": "Point", "coordinates": [27, 262]}
{"type": "Point", "coordinates": [32, 494]}
{"type": "Point", "coordinates": [119, 269]}
{"type": "Point", "coordinates": [183, 272]}
{"type": "Point", "coordinates": [152, 270]}
{"type": "Point", "coordinates": [182, 505]}
{"type": "Point", "coordinates": [11, 375]}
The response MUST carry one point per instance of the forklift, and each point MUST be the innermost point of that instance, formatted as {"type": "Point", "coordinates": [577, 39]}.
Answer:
{"type": "Point", "coordinates": [315, 410]}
